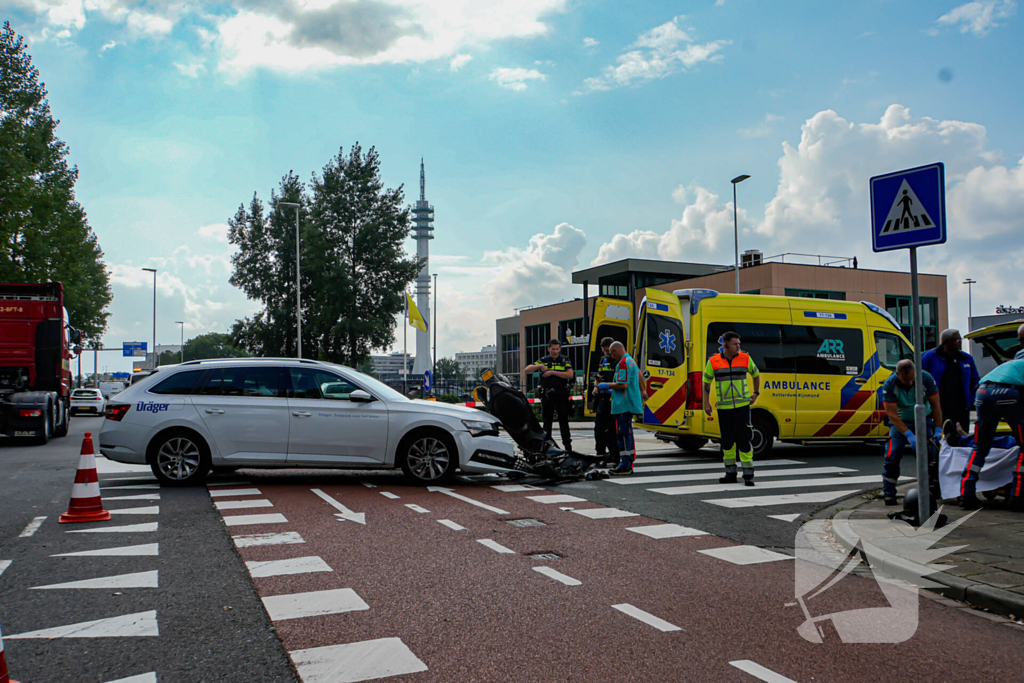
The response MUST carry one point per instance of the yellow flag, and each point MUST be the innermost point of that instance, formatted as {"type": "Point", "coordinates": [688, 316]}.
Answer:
{"type": "Point", "coordinates": [414, 315]}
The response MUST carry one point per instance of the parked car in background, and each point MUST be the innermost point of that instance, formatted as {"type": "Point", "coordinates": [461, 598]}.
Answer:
{"type": "Point", "coordinates": [88, 402]}
{"type": "Point", "coordinates": [111, 389]}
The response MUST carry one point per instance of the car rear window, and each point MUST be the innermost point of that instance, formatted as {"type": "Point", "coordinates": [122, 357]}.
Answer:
{"type": "Point", "coordinates": [84, 393]}
{"type": "Point", "coordinates": [178, 384]}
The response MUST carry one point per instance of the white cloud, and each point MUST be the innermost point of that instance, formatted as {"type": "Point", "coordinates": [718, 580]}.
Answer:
{"type": "Point", "coordinates": [459, 61]}
{"type": "Point", "coordinates": [655, 54]}
{"type": "Point", "coordinates": [139, 18]}
{"type": "Point", "coordinates": [191, 69]}
{"type": "Point", "coordinates": [217, 232]}
{"type": "Point", "coordinates": [978, 17]}
{"type": "Point", "coordinates": [515, 78]}
{"type": "Point", "coordinates": [109, 45]}
{"type": "Point", "coordinates": [762, 129]}
{"type": "Point", "coordinates": [590, 42]}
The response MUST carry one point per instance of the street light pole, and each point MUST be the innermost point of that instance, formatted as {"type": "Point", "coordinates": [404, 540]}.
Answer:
{"type": "Point", "coordinates": [298, 279]}
{"type": "Point", "coordinates": [433, 369]}
{"type": "Point", "coordinates": [736, 225]}
{"type": "Point", "coordinates": [156, 358]}
{"type": "Point", "coordinates": [182, 323]}
{"type": "Point", "coordinates": [970, 312]}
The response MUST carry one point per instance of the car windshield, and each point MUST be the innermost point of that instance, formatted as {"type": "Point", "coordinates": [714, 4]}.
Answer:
{"type": "Point", "coordinates": [379, 388]}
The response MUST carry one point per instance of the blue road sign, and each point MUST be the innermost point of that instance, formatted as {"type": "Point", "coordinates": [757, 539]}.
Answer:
{"type": "Point", "coordinates": [908, 208]}
{"type": "Point", "coordinates": [133, 349]}
{"type": "Point", "coordinates": [426, 382]}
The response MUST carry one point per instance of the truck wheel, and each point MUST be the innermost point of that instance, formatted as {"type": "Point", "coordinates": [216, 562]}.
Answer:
{"type": "Point", "coordinates": [65, 421]}
{"type": "Point", "coordinates": [428, 457]}
{"type": "Point", "coordinates": [690, 444]}
{"type": "Point", "coordinates": [179, 458]}
{"type": "Point", "coordinates": [44, 439]}
{"type": "Point", "coordinates": [762, 437]}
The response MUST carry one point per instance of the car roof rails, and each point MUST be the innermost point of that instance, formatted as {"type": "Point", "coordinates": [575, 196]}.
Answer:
{"type": "Point", "coordinates": [307, 361]}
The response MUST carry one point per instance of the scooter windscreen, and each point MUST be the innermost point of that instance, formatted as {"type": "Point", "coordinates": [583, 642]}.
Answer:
{"type": "Point", "coordinates": [511, 406]}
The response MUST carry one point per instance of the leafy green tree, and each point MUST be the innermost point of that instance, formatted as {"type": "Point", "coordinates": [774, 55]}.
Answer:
{"type": "Point", "coordinates": [209, 345]}
{"type": "Point", "coordinates": [450, 369]}
{"type": "Point", "coordinates": [367, 367]}
{"type": "Point", "coordinates": [44, 232]}
{"type": "Point", "coordinates": [354, 267]}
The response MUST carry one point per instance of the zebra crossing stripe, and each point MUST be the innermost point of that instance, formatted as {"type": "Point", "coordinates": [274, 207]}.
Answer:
{"type": "Point", "coordinates": [706, 476]}
{"type": "Point", "coordinates": [782, 499]}
{"type": "Point", "coordinates": [788, 484]}
{"type": "Point", "coordinates": [711, 464]}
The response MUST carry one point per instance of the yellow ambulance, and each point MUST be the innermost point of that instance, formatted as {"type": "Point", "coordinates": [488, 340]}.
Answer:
{"type": "Point", "coordinates": [822, 362]}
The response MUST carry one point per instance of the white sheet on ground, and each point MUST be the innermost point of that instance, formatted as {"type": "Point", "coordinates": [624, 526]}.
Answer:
{"type": "Point", "coordinates": [997, 472]}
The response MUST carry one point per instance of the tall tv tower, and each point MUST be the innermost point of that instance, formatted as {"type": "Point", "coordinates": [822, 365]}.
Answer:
{"type": "Point", "coordinates": [423, 232]}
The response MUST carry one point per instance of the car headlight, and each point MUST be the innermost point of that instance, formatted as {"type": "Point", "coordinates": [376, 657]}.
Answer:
{"type": "Point", "coordinates": [481, 428]}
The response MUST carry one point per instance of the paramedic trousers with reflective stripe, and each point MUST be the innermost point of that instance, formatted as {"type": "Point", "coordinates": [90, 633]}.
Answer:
{"type": "Point", "coordinates": [995, 402]}
{"type": "Point", "coordinates": [624, 436]}
{"type": "Point", "coordinates": [736, 432]}
{"type": "Point", "coordinates": [894, 453]}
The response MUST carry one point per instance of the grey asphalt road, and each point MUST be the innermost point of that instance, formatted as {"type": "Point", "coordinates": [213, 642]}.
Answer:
{"type": "Point", "coordinates": [211, 624]}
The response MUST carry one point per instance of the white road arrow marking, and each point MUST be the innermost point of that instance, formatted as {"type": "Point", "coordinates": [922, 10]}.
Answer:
{"type": "Point", "coordinates": [345, 513]}
{"type": "Point", "coordinates": [485, 506]}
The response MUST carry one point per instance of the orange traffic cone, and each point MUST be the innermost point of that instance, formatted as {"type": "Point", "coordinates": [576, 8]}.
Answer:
{"type": "Point", "coordinates": [4, 676]}
{"type": "Point", "coordinates": [86, 505]}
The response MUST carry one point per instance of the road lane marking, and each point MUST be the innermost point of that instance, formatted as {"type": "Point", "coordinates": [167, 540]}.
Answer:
{"type": "Point", "coordinates": [666, 531]}
{"type": "Point", "coordinates": [604, 513]}
{"type": "Point", "coordinates": [235, 492]}
{"type": "Point", "coordinates": [242, 504]}
{"type": "Point", "coordinates": [452, 525]}
{"type": "Point", "coordinates": [782, 499]}
{"type": "Point", "coordinates": [786, 518]}
{"type": "Point", "coordinates": [558, 576]}
{"type": "Point", "coordinates": [705, 476]}
{"type": "Point", "coordinates": [151, 510]}
{"type": "Point", "coordinates": [557, 498]}
{"type": "Point", "coordinates": [343, 512]}
{"type": "Point", "coordinates": [243, 520]}
{"type": "Point", "coordinates": [388, 494]}
{"type": "Point", "coordinates": [464, 499]}
{"type": "Point", "coordinates": [146, 549]}
{"type": "Point", "coordinates": [32, 527]}
{"type": "Point", "coordinates": [351, 662]}
{"type": "Point", "coordinates": [640, 460]}
{"type": "Point", "coordinates": [416, 508]}
{"type": "Point", "coordinates": [129, 529]}
{"type": "Point", "coordinates": [368, 485]}
{"type": "Point", "coordinates": [717, 464]}
{"type": "Point", "coordinates": [315, 603]}
{"type": "Point", "coordinates": [789, 484]}
{"type": "Point", "coordinates": [105, 466]}
{"type": "Point", "coordinates": [293, 565]}
{"type": "Point", "coordinates": [745, 554]}
{"type": "Point", "coordinates": [758, 671]}
{"type": "Point", "coordinates": [148, 579]}
{"type": "Point", "coordinates": [140, 624]}
{"type": "Point", "coordinates": [237, 482]}
{"type": "Point", "coordinates": [495, 546]}
{"type": "Point", "coordinates": [141, 678]}
{"type": "Point", "coordinates": [285, 538]}
{"type": "Point", "coordinates": [646, 617]}
{"type": "Point", "coordinates": [4, 564]}
{"type": "Point", "coordinates": [131, 486]}
{"type": "Point", "coordinates": [516, 488]}
{"type": "Point", "coordinates": [139, 496]}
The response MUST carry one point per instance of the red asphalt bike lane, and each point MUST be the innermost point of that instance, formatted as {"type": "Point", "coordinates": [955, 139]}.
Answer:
{"type": "Point", "coordinates": [471, 613]}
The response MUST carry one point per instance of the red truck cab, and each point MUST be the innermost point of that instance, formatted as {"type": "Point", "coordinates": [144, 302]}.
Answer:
{"type": "Point", "coordinates": [37, 344]}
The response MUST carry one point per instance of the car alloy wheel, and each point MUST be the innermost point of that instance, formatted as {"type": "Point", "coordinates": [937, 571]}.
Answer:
{"type": "Point", "coordinates": [178, 458]}
{"type": "Point", "coordinates": [428, 458]}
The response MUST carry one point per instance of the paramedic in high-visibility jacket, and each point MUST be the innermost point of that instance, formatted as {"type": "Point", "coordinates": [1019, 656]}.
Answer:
{"type": "Point", "coordinates": [728, 370]}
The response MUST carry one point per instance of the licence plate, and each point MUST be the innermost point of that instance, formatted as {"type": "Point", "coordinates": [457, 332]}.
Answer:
{"type": "Point", "coordinates": [24, 433]}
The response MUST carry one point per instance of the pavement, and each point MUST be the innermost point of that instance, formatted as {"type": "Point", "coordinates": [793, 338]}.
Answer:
{"type": "Point", "coordinates": [984, 563]}
{"type": "Point", "coordinates": [324, 576]}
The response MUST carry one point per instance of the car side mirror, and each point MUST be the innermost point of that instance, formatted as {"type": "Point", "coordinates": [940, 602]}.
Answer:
{"type": "Point", "coordinates": [360, 396]}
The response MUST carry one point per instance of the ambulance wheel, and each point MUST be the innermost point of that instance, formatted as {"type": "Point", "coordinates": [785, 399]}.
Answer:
{"type": "Point", "coordinates": [690, 444]}
{"type": "Point", "coordinates": [762, 436]}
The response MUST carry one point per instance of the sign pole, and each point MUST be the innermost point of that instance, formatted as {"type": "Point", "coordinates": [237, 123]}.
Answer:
{"type": "Point", "coordinates": [920, 428]}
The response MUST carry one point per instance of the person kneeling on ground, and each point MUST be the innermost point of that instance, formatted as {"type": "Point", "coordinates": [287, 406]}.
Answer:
{"type": "Point", "coordinates": [899, 399]}
{"type": "Point", "coordinates": [627, 401]}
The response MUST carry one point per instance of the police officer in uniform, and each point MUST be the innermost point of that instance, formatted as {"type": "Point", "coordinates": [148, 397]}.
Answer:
{"type": "Point", "coordinates": [556, 378]}
{"type": "Point", "coordinates": [604, 424]}
{"type": "Point", "coordinates": [729, 370]}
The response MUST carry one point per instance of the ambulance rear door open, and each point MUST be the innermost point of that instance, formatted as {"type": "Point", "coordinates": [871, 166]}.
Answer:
{"type": "Point", "coordinates": [661, 354]}
{"type": "Point", "coordinates": [612, 318]}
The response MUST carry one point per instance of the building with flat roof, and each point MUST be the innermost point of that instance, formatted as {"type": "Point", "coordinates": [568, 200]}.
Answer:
{"type": "Point", "coordinates": [472, 363]}
{"type": "Point", "coordinates": [522, 339]}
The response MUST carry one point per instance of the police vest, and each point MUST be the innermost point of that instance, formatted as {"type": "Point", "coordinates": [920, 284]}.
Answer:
{"type": "Point", "coordinates": [552, 382]}
{"type": "Point", "coordinates": [730, 376]}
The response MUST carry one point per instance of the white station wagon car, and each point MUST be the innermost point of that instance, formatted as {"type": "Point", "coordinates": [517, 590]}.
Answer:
{"type": "Point", "coordinates": [185, 420]}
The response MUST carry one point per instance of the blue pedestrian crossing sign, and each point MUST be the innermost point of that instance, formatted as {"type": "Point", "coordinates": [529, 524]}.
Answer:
{"type": "Point", "coordinates": [908, 208]}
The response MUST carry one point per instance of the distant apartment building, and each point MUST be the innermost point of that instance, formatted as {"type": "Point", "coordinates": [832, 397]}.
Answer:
{"type": "Point", "coordinates": [475, 362]}
{"type": "Point", "coordinates": [390, 367]}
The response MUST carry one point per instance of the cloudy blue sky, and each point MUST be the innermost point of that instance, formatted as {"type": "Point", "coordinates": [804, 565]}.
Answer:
{"type": "Point", "coordinates": [557, 133]}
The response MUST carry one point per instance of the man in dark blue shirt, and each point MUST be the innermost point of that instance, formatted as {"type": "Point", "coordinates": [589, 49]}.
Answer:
{"type": "Point", "coordinates": [956, 376]}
